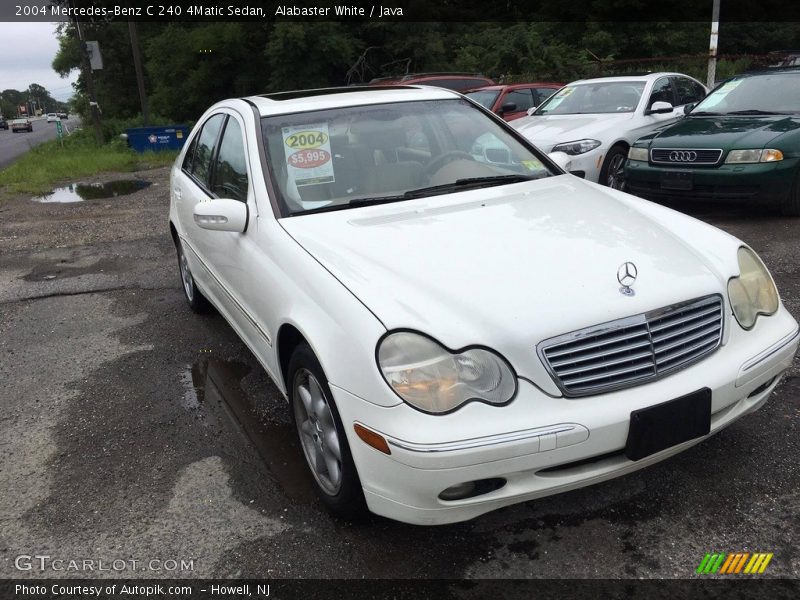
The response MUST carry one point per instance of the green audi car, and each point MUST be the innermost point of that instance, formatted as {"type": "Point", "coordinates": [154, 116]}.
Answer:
{"type": "Point", "coordinates": [741, 142]}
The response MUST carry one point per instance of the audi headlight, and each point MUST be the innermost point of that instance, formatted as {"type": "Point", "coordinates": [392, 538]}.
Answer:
{"type": "Point", "coordinates": [640, 154]}
{"type": "Point", "coordinates": [576, 147]}
{"type": "Point", "coordinates": [752, 293]}
{"type": "Point", "coordinates": [753, 156]}
{"type": "Point", "coordinates": [433, 379]}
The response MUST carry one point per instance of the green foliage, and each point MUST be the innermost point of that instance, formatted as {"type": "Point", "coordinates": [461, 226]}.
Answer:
{"type": "Point", "coordinates": [48, 164]}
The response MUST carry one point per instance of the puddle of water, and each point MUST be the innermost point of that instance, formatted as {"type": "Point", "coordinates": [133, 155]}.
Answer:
{"type": "Point", "coordinates": [218, 382]}
{"type": "Point", "coordinates": [78, 192]}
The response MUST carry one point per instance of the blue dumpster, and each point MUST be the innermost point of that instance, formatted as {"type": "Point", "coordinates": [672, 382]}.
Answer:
{"type": "Point", "coordinates": [165, 137]}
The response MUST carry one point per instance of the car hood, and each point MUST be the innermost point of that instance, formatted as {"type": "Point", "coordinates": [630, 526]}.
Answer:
{"type": "Point", "coordinates": [507, 267]}
{"type": "Point", "coordinates": [724, 132]}
{"type": "Point", "coordinates": [548, 130]}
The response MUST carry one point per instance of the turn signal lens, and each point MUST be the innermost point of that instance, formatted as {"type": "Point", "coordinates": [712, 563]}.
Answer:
{"type": "Point", "coordinates": [370, 438]}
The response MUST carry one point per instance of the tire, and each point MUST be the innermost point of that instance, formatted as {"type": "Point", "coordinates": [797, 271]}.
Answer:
{"type": "Point", "coordinates": [790, 206]}
{"type": "Point", "coordinates": [197, 302]}
{"type": "Point", "coordinates": [322, 437]}
{"type": "Point", "coordinates": [612, 173]}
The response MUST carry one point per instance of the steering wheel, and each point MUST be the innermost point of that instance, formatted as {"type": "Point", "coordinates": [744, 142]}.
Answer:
{"type": "Point", "coordinates": [441, 160]}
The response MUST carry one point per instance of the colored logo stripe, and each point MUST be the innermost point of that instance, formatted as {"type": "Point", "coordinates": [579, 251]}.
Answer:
{"type": "Point", "coordinates": [738, 562]}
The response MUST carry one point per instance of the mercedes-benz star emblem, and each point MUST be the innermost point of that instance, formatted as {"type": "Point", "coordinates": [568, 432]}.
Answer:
{"type": "Point", "coordinates": [626, 275]}
{"type": "Point", "coordinates": [683, 156]}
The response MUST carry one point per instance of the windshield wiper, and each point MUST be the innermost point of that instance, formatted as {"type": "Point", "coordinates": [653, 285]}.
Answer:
{"type": "Point", "coordinates": [468, 182]}
{"type": "Point", "coordinates": [458, 184]}
{"type": "Point", "coordinates": [754, 111]}
{"type": "Point", "coordinates": [704, 113]}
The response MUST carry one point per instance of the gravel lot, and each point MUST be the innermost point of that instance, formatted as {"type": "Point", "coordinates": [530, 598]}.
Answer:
{"type": "Point", "coordinates": [132, 429]}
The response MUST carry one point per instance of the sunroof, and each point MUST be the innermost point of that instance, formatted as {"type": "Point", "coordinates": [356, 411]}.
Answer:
{"type": "Point", "coordinates": [338, 90]}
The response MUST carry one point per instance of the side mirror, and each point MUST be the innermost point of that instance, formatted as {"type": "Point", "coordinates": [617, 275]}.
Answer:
{"type": "Point", "coordinates": [657, 108]}
{"type": "Point", "coordinates": [532, 110]}
{"type": "Point", "coordinates": [221, 215]}
{"type": "Point", "coordinates": [562, 159]}
{"type": "Point", "coordinates": [687, 108]}
{"type": "Point", "coordinates": [508, 107]}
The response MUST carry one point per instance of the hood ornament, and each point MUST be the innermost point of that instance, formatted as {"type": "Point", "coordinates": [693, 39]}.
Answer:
{"type": "Point", "coordinates": [626, 275]}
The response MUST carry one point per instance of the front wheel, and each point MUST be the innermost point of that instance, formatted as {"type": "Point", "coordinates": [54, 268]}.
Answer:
{"type": "Point", "coordinates": [612, 173]}
{"type": "Point", "coordinates": [322, 436]}
{"type": "Point", "coordinates": [197, 302]}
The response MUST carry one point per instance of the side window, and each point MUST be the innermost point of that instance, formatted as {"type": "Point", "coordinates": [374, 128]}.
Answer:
{"type": "Point", "coordinates": [189, 156]}
{"type": "Point", "coordinates": [230, 171]}
{"type": "Point", "coordinates": [688, 91]}
{"type": "Point", "coordinates": [205, 147]}
{"type": "Point", "coordinates": [522, 98]}
{"type": "Point", "coordinates": [662, 92]}
{"type": "Point", "coordinates": [543, 94]}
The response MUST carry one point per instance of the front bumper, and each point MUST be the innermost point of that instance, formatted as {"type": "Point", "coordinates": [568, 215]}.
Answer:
{"type": "Point", "coordinates": [760, 182]}
{"type": "Point", "coordinates": [542, 445]}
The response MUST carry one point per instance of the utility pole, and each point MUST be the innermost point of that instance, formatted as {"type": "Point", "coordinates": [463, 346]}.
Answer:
{"type": "Point", "coordinates": [137, 63]}
{"type": "Point", "coordinates": [712, 46]}
{"type": "Point", "coordinates": [94, 109]}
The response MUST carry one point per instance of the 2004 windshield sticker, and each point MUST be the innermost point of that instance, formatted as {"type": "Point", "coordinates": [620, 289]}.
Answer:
{"type": "Point", "coordinates": [308, 154]}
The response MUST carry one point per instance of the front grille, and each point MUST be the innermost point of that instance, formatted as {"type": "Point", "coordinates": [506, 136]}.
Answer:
{"type": "Point", "coordinates": [633, 350]}
{"type": "Point", "coordinates": [685, 156]}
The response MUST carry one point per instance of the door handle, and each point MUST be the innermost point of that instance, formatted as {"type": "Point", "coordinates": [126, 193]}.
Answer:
{"type": "Point", "coordinates": [177, 192]}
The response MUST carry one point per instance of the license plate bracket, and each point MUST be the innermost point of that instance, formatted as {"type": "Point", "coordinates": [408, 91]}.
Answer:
{"type": "Point", "coordinates": [677, 180]}
{"type": "Point", "coordinates": [668, 424]}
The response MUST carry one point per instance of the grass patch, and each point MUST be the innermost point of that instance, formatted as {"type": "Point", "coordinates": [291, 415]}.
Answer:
{"type": "Point", "coordinates": [48, 164]}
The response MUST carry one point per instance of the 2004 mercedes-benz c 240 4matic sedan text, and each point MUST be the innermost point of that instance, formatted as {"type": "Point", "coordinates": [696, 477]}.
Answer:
{"type": "Point", "coordinates": [457, 324]}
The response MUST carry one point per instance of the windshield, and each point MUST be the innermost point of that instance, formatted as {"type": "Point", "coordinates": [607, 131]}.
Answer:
{"type": "Point", "coordinates": [337, 158]}
{"type": "Point", "coordinates": [773, 93]}
{"type": "Point", "coordinates": [485, 98]}
{"type": "Point", "coordinates": [594, 98]}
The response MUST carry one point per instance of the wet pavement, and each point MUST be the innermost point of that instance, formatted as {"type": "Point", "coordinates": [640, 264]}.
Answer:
{"type": "Point", "coordinates": [78, 192]}
{"type": "Point", "coordinates": [132, 428]}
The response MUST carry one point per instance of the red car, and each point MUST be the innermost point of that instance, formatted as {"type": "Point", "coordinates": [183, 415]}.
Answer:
{"type": "Point", "coordinates": [513, 101]}
{"type": "Point", "coordinates": [452, 81]}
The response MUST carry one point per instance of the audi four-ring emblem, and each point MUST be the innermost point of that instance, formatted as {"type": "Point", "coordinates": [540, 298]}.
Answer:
{"type": "Point", "coordinates": [683, 156]}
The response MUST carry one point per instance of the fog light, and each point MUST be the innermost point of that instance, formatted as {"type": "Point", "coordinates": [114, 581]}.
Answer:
{"type": "Point", "coordinates": [470, 489]}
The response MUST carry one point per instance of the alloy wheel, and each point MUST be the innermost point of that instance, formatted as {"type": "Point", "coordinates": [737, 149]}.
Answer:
{"type": "Point", "coordinates": [317, 429]}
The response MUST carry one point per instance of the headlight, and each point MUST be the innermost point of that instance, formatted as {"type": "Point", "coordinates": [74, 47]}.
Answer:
{"type": "Point", "coordinates": [577, 147]}
{"type": "Point", "coordinates": [433, 379]}
{"type": "Point", "coordinates": [752, 293]}
{"type": "Point", "coordinates": [638, 154]}
{"type": "Point", "coordinates": [753, 156]}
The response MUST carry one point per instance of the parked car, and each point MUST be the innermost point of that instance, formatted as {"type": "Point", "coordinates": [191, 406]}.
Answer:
{"type": "Point", "coordinates": [595, 121]}
{"type": "Point", "coordinates": [52, 117]}
{"type": "Point", "coordinates": [454, 335]}
{"type": "Point", "coordinates": [21, 124]}
{"type": "Point", "coordinates": [451, 81]}
{"type": "Point", "coordinates": [3, 123]}
{"type": "Point", "coordinates": [741, 143]}
{"type": "Point", "coordinates": [513, 101]}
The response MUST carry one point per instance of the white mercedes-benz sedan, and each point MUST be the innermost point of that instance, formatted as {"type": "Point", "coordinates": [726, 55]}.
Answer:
{"type": "Point", "coordinates": [456, 323]}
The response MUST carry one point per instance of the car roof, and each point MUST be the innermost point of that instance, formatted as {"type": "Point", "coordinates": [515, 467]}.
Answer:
{"type": "Point", "coordinates": [321, 99]}
{"type": "Point", "coordinates": [513, 86]}
{"type": "Point", "coordinates": [628, 78]}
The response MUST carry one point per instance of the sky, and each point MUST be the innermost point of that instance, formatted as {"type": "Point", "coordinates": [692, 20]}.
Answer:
{"type": "Point", "coordinates": [26, 54]}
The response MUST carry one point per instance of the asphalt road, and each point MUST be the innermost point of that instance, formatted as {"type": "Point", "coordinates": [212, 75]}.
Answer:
{"type": "Point", "coordinates": [132, 429]}
{"type": "Point", "coordinates": [14, 145]}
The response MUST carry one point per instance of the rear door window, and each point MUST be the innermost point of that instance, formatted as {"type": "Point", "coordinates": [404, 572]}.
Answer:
{"type": "Point", "coordinates": [522, 98]}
